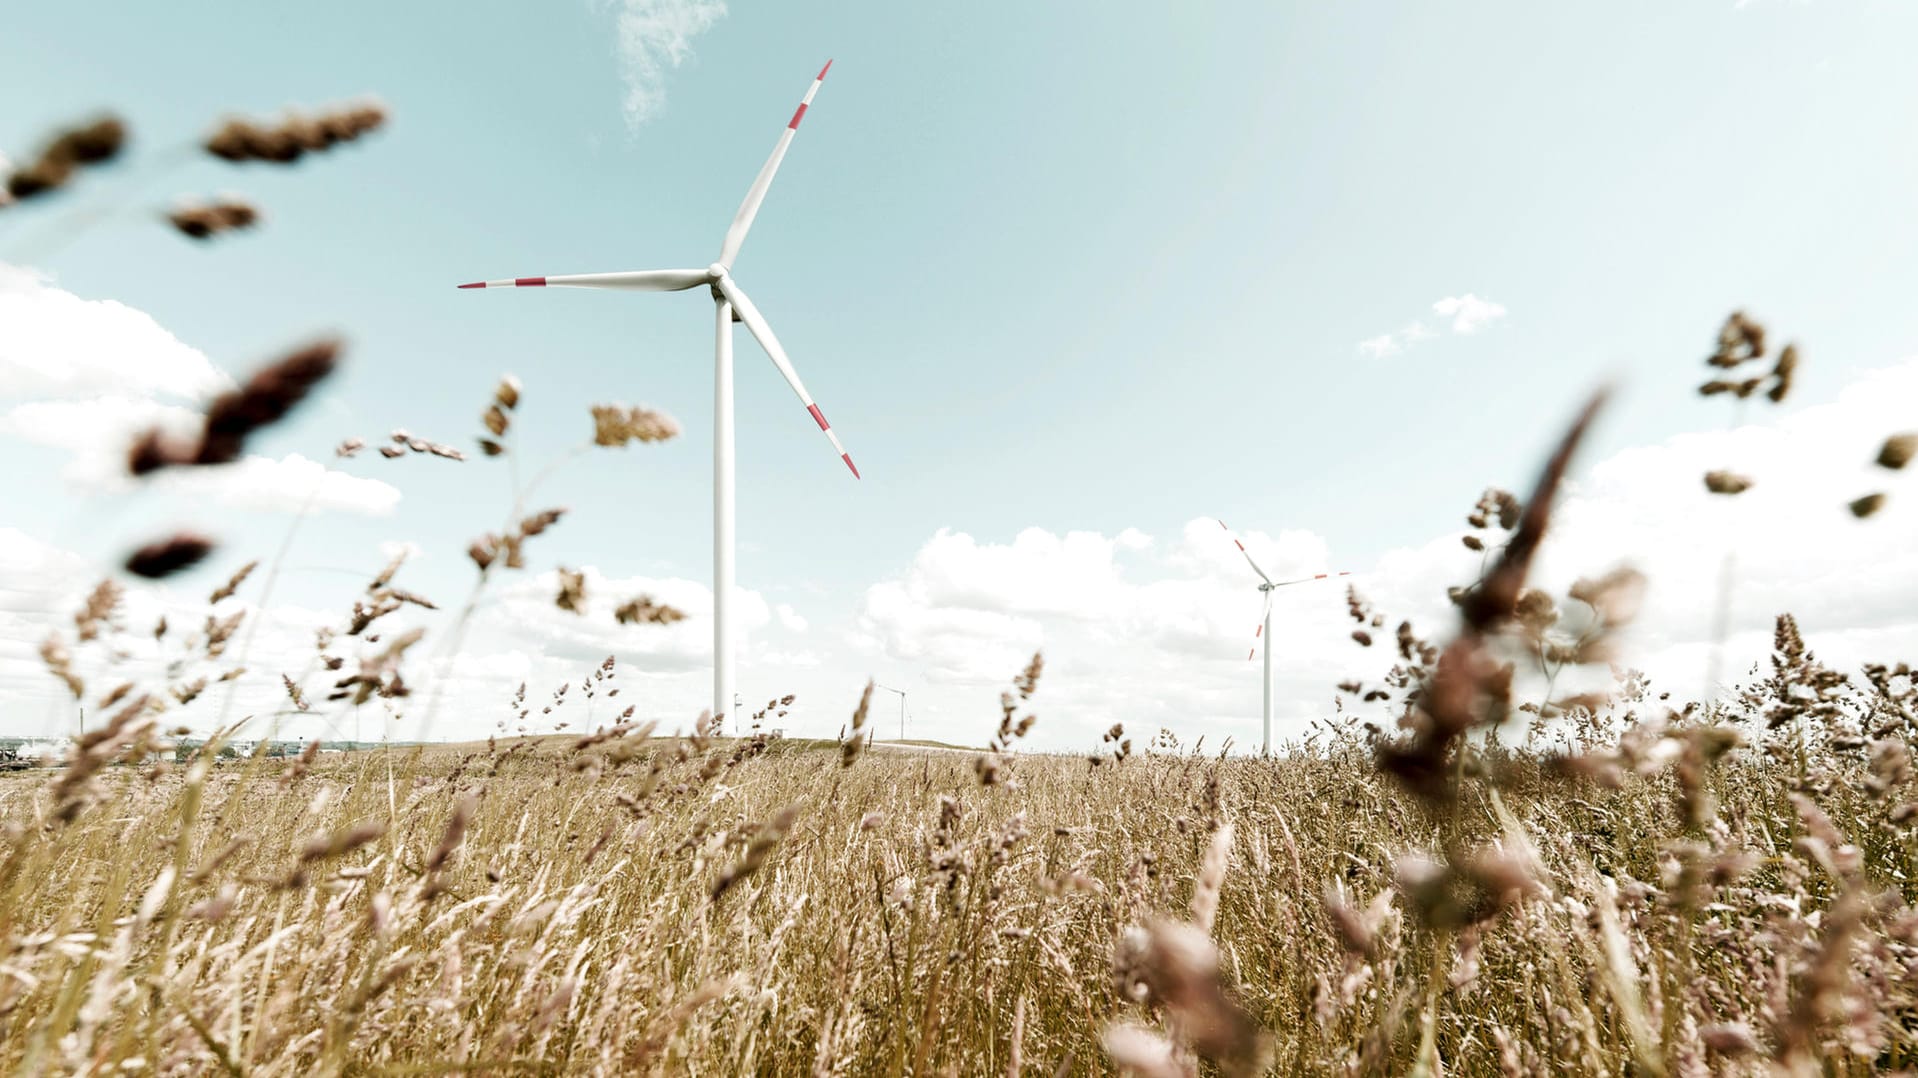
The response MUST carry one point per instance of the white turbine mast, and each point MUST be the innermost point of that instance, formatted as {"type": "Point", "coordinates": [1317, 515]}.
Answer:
{"type": "Point", "coordinates": [1264, 630]}
{"type": "Point", "coordinates": [731, 305]}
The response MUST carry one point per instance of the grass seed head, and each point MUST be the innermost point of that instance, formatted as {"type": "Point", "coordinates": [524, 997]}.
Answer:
{"type": "Point", "coordinates": [1898, 451]}
{"type": "Point", "coordinates": [164, 557]}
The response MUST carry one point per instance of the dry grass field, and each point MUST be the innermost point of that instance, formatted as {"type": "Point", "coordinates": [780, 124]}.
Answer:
{"type": "Point", "coordinates": [1660, 903]}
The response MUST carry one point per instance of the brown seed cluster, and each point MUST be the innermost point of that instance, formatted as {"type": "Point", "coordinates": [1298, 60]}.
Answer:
{"type": "Point", "coordinates": [232, 585]}
{"type": "Point", "coordinates": [572, 591]}
{"type": "Point", "coordinates": [991, 765]}
{"type": "Point", "coordinates": [1722, 481]}
{"type": "Point", "coordinates": [234, 416]}
{"type": "Point", "coordinates": [617, 425]}
{"type": "Point", "coordinates": [59, 662]}
{"type": "Point", "coordinates": [490, 548]}
{"type": "Point", "coordinates": [100, 613]}
{"type": "Point", "coordinates": [400, 442]}
{"type": "Point", "coordinates": [850, 744]}
{"type": "Point", "coordinates": [1742, 347]}
{"type": "Point", "coordinates": [498, 417]}
{"type": "Point", "coordinates": [1741, 344]}
{"type": "Point", "coordinates": [644, 610]}
{"type": "Point", "coordinates": [1175, 965]}
{"type": "Point", "coordinates": [1898, 451]}
{"type": "Point", "coordinates": [93, 143]}
{"type": "Point", "coordinates": [202, 221]}
{"type": "Point", "coordinates": [295, 136]}
{"type": "Point", "coordinates": [164, 557]}
{"type": "Point", "coordinates": [1892, 456]}
{"type": "Point", "coordinates": [1469, 686]}
{"type": "Point", "coordinates": [1867, 505]}
{"type": "Point", "coordinates": [761, 846]}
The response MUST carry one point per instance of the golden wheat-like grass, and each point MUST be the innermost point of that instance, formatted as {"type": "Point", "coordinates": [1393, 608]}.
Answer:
{"type": "Point", "coordinates": [738, 910]}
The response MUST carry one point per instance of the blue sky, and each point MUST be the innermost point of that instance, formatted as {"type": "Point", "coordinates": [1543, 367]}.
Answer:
{"type": "Point", "coordinates": [1071, 267]}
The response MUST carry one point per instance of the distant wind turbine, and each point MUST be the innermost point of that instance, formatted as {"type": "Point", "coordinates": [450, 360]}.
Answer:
{"type": "Point", "coordinates": [733, 306]}
{"type": "Point", "coordinates": [1264, 630]}
{"type": "Point", "coordinates": [902, 706]}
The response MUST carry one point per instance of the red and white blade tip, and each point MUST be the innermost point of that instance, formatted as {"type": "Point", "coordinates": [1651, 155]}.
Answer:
{"type": "Point", "coordinates": [800, 112]}
{"type": "Point", "coordinates": [516, 282]}
{"type": "Point", "coordinates": [819, 417]}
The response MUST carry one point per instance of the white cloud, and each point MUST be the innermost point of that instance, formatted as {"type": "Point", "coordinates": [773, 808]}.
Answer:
{"type": "Point", "coordinates": [1380, 346]}
{"type": "Point", "coordinates": [1073, 575]}
{"type": "Point", "coordinates": [98, 430]}
{"type": "Point", "coordinates": [96, 372]}
{"type": "Point", "coordinates": [1795, 547]}
{"type": "Point", "coordinates": [797, 660]}
{"type": "Point", "coordinates": [653, 38]}
{"type": "Point", "coordinates": [289, 484]}
{"type": "Point", "coordinates": [1468, 313]}
{"type": "Point", "coordinates": [948, 643]}
{"type": "Point", "coordinates": [1162, 639]}
{"type": "Point", "coordinates": [972, 612]}
{"type": "Point", "coordinates": [53, 343]}
{"type": "Point", "coordinates": [789, 618]}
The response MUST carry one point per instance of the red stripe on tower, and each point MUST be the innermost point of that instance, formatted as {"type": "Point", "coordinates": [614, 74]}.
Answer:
{"type": "Point", "coordinates": [821, 77]}
{"type": "Point", "coordinates": [818, 416]}
{"type": "Point", "coordinates": [798, 116]}
{"type": "Point", "coordinates": [529, 282]}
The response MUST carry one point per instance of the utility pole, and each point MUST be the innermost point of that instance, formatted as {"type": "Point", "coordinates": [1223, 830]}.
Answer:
{"type": "Point", "coordinates": [902, 706]}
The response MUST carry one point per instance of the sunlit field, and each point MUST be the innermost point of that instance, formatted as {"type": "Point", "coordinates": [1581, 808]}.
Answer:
{"type": "Point", "coordinates": [1655, 901]}
{"type": "Point", "coordinates": [1497, 847]}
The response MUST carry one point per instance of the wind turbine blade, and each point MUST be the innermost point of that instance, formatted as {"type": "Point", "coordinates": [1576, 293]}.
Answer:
{"type": "Point", "coordinates": [1247, 553]}
{"type": "Point", "coordinates": [1309, 579]}
{"type": "Point", "coordinates": [756, 194]}
{"type": "Point", "coordinates": [673, 280]}
{"type": "Point", "coordinates": [762, 332]}
{"type": "Point", "coordinates": [1259, 631]}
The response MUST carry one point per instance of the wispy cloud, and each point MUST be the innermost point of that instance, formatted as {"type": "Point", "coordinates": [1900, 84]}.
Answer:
{"type": "Point", "coordinates": [1468, 313]}
{"type": "Point", "coordinates": [1385, 344]}
{"type": "Point", "coordinates": [655, 37]}
{"type": "Point", "coordinates": [1462, 314]}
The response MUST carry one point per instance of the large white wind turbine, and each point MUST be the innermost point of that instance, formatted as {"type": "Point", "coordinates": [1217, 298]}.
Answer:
{"type": "Point", "coordinates": [1264, 630]}
{"type": "Point", "coordinates": [732, 305]}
